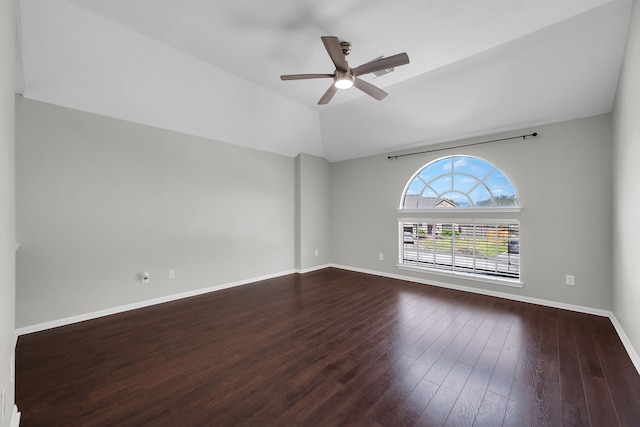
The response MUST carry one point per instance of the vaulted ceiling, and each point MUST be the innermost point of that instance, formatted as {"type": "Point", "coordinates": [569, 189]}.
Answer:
{"type": "Point", "coordinates": [211, 68]}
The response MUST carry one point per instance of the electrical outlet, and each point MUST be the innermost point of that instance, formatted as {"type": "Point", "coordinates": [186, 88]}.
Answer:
{"type": "Point", "coordinates": [316, 252]}
{"type": "Point", "coordinates": [172, 274]}
{"type": "Point", "coordinates": [144, 277]}
{"type": "Point", "coordinates": [381, 257]}
{"type": "Point", "coordinates": [570, 280]}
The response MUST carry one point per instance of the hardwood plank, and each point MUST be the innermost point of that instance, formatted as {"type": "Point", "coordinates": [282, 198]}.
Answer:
{"type": "Point", "coordinates": [440, 406]}
{"type": "Point", "coordinates": [572, 398]}
{"type": "Point", "coordinates": [492, 410]}
{"type": "Point", "coordinates": [547, 386]}
{"type": "Point", "coordinates": [479, 340]}
{"type": "Point", "coordinates": [394, 405]}
{"type": "Point", "coordinates": [520, 412]}
{"type": "Point", "coordinates": [415, 404]}
{"type": "Point", "coordinates": [467, 406]}
{"type": "Point", "coordinates": [505, 369]}
{"type": "Point", "coordinates": [601, 408]}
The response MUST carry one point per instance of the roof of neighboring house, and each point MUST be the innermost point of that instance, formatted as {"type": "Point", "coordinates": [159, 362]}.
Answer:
{"type": "Point", "coordinates": [420, 202]}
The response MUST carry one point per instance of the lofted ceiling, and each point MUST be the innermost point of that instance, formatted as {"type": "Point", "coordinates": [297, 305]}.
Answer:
{"type": "Point", "coordinates": [211, 68]}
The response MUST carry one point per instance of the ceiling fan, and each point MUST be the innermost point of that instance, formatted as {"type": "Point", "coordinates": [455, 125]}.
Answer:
{"type": "Point", "coordinates": [344, 77]}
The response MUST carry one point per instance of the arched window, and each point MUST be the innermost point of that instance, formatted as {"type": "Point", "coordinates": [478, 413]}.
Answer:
{"type": "Point", "coordinates": [459, 182]}
{"type": "Point", "coordinates": [450, 229]}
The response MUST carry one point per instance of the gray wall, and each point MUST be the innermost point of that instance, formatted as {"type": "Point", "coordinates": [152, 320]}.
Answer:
{"type": "Point", "coordinates": [100, 200]}
{"type": "Point", "coordinates": [7, 203]}
{"type": "Point", "coordinates": [563, 179]}
{"type": "Point", "coordinates": [626, 290]}
{"type": "Point", "coordinates": [312, 219]}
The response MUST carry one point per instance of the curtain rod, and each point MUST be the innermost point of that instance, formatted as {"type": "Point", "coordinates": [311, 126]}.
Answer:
{"type": "Point", "coordinates": [460, 146]}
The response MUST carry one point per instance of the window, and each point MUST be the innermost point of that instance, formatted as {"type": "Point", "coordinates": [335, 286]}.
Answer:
{"type": "Point", "coordinates": [452, 220]}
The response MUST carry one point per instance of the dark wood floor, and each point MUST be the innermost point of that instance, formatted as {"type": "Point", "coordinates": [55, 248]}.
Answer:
{"type": "Point", "coordinates": [330, 348]}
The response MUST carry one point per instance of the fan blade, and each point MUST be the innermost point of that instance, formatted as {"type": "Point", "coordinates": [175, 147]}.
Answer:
{"type": "Point", "coordinates": [304, 76]}
{"type": "Point", "coordinates": [381, 64]}
{"type": "Point", "coordinates": [369, 89]}
{"type": "Point", "coordinates": [332, 44]}
{"type": "Point", "coordinates": [328, 95]}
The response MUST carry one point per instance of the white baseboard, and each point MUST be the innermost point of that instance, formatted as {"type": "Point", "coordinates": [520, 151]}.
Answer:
{"type": "Point", "coordinates": [626, 342]}
{"type": "Point", "coordinates": [141, 304]}
{"type": "Point", "coordinates": [520, 298]}
{"type": "Point", "coordinates": [15, 417]}
{"type": "Point", "coordinates": [310, 269]}
{"type": "Point", "coordinates": [633, 355]}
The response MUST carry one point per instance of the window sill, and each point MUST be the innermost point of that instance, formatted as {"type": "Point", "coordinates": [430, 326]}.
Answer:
{"type": "Point", "coordinates": [495, 281]}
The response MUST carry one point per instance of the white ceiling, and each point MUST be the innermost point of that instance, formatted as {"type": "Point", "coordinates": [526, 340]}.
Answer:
{"type": "Point", "coordinates": [211, 68]}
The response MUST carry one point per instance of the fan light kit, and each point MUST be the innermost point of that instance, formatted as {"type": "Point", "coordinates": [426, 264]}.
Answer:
{"type": "Point", "coordinates": [344, 77]}
{"type": "Point", "coordinates": [344, 82]}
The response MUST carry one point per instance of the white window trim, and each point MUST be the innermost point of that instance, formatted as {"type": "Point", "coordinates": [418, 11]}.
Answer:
{"type": "Point", "coordinates": [447, 219]}
{"type": "Point", "coordinates": [458, 211]}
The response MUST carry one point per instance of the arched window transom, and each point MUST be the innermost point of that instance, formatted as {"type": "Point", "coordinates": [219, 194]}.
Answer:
{"type": "Point", "coordinates": [459, 182]}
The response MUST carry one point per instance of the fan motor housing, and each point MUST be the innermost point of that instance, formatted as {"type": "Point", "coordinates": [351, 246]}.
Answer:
{"type": "Point", "coordinates": [346, 48]}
